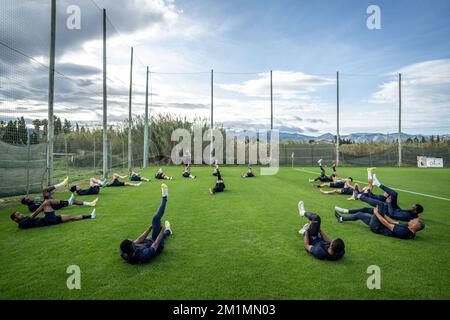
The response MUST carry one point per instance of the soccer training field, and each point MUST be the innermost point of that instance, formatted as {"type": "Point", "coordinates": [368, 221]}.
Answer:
{"type": "Point", "coordinates": [240, 244]}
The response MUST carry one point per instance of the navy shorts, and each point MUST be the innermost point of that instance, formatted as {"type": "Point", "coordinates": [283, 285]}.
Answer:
{"type": "Point", "coordinates": [338, 185]}
{"type": "Point", "coordinates": [51, 218]}
{"type": "Point", "coordinates": [135, 178]}
{"type": "Point", "coordinates": [91, 190]}
{"type": "Point", "coordinates": [159, 176]}
{"type": "Point", "coordinates": [348, 191]}
{"type": "Point", "coordinates": [116, 183]}
{"type": "Point", "coordinates": [60, 205]}
{"type": "Point", "coordinates": [186, 174]}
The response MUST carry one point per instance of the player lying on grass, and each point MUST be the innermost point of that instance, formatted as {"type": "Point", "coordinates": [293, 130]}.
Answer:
{"type": "Point", "coordinates": [47, 192]}
{"type": "Point", "coordinates": [220, 185]}
{"type": "Point", "coordinates": [381, 223]}
{"type": "Point", "coordinates": [348, 189]}
{"type": "Point", "coordinates": [316, 242]}
{"type": "Point", "coordinates": [390, 201]}
{"type": "Point", "coordinates": [50, 217]}
{"type": "Point", "coordinates": [145, 248]}
{"type": "Point", "coordinates": [323, 177]}
{"type": "Point", "coordinates": [187, 172]}
{"type": "Point", "coordinates": [249, 173]}
{"type": "Point", "coordinates": [135, 176]}
{"type": "Point", "coordinates": [161, 176]}
{"type": "Point", "coordinates": [115, 182]}
{"type": "Point", "coordinates": [94, 187]}
{"type": "Point", "coordinates": [339, 184]}
{"type": "Point", "coordinates": [33, 205]}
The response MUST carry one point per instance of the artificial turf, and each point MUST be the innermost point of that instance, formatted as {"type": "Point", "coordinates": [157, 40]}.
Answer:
{"type": "Point", "coordinates": [241, 244]}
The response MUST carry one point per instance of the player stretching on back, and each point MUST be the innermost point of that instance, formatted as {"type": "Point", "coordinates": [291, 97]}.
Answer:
{"type": "Point", "coordinates": [49, 219]}
{"type": "Point", "coordinates": [390, 202]}
{"type": "Point", "coordinates": [323, 177]}
{"type": "Point", "coordinates": [94, 188]}
{"type": "Point", "coordinates": [135, 176]}
{"type": "Point", "coordinates": [161, 176]}
{"type": "Point", "coordinates": [316, 242]}
{"type": "Point", "coordinates": [220, 185]}
{"type": "Point", "coordinates": [115, 182]}
{"type": "Point", "coordinates": [340, 184]}
{"type": "Point", "coordinates": [381, 223]}
{"type": "Point", "coordinates": [187, 172]}
{"type": "Point", "coordinates": [249, 173]}
{"type": "Point", "coordinates": [33, 205]}
{"type": "Point", "coordinates": [145, 248]}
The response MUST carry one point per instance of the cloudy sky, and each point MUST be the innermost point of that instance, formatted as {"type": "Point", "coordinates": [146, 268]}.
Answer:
{"type": "Point", "coordinates": [303, 42]}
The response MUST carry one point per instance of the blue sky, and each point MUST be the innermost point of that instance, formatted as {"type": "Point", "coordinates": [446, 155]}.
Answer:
{"type": "Point", "coordinates": [304, 42]}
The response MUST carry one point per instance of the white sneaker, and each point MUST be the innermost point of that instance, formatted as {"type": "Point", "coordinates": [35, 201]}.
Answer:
{"type": "Point", "coordinates": [375, 180]}
{"type": "Point", "coordinates": [341, 210]}
{"type": "Point", "coordinates": [167, 226]}
{"type": "Point", "coordinates": [301, 209]}
{"type": "Point", "coordinates": [93, 215]}
{"type": "Point", "coordinates": [164, 190]}
{"type": "Point", "coordinates": [320, 162]}
{"type": "Point", "coordinates": [311, 180]}
{"type": "Point", "coordinates": [72, 197]}
{"type": "Point", "coordinates": [304, 229]}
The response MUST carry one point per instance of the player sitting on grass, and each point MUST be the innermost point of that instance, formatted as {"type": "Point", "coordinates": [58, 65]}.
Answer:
{"type": "Point", "coordinates": [323, 177]}
{"type": "Point", "coordinates": [33, 205]}
{"type": "Point", "coordinates": [381, 223]}
{"type": "Point", "coordinates": [187, 172]}
{"type": "Point", "coordinates": [135, 176]}
{"type": "Point", "coordinates": [220, 185]}
{"type": "Point", "coordinates": [144, 248]}
{"type": "Point", "coordinates": [216, 168]}
{"type": "Point", "coordinates": [94, 188]}
{"type": "Point", "coordinates": [49, 219]}
{"type": "Point", "coordinates": [249, 173]}
{"type": "Point", "coordinates": [161, 176]}
{"type": "Point", "coordinates": [115, 182]}
{"type": "Point", "coordinates": [316, 242]}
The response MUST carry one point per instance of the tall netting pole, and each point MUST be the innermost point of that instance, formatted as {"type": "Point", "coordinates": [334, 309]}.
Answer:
{"type": "Point", "coordinates": [337, 117]}
{"type": "Point", "coordinates": [212, 114]}
{"type": "Point", "coordinates": [271, 102]}
{"type": "Point", "coordinates": [130, 122]}
{"type": "Point", "coordinates": [212, 99]}
{"type": "Point", "coordinates": [105, 105]}
{"type": "Point", "coordinates": [399, 119]}
{"type": "Point", "coordinates": [51, 92]}
{"type": "Point", "coordinates": [145, 162]}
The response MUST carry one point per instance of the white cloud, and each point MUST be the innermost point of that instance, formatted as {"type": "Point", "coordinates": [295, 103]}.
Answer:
{"type": "Point", "coordinates": [286, 85]}
{"type": "Point", "coordinates": [425, 94]}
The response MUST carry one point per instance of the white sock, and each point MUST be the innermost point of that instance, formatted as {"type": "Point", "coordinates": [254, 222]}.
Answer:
{"type": "Point", "coordinates": [87, 203]}
{"type": "Point", "coordinates": [369, 175]}
{"type": "Point", "coordinates": [59, 185]}
{"type": "Point", "coordinates": [375, 181]}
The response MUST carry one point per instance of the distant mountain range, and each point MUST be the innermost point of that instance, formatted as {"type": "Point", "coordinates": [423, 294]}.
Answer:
{"type": "Point", "coordinates": [357, 137]}
{"type": "Point", "coordinates": [290, 135]}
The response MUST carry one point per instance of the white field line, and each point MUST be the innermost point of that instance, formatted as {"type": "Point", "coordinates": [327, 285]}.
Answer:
{"type": "Point", "coordinates": [412, 192]}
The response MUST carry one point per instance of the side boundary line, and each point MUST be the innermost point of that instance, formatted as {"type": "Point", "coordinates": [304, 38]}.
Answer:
{"type": "Point", "coordinates": [402, 190]}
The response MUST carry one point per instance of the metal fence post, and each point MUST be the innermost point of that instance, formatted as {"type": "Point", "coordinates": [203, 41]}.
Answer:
{"type": "Point", "coordinates": [51, 91]}
{"type": "Point", "coordinates": [28, 163]}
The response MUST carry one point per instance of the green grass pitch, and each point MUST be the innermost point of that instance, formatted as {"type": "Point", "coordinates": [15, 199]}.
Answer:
{"type": "Point", "coordinates": [242, 244]}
